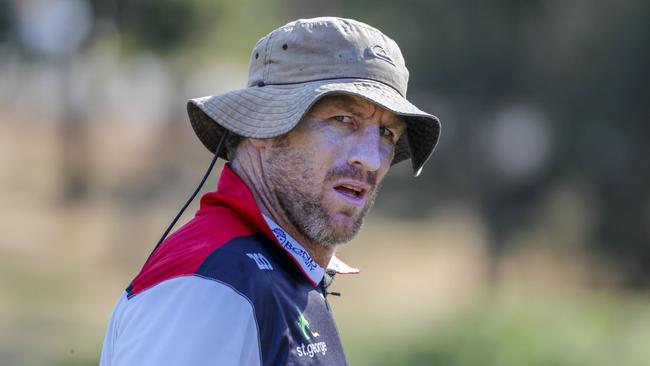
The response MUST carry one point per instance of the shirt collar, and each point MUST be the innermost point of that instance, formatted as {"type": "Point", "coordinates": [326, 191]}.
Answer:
{"type": "Point", "coordinates": [312, 269]}
{"type": "Point", "coordinates": [301, 256]}
{"type": "Point", "coordinates": [235, 194]}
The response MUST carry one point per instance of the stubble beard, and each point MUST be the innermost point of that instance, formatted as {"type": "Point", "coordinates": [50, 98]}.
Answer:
{"type": "Point", "coordinates": [291, 177]}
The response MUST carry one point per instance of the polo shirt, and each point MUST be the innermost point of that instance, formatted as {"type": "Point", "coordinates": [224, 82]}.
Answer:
{"type": "Point", "coordinates": [230, 287]}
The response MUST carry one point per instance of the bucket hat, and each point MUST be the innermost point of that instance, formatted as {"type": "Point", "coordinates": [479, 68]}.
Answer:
{"type": "Point", "coordinates": [294, 66]}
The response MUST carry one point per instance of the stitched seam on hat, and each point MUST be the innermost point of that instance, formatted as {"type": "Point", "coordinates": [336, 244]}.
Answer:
{"type": "Point", "coordinates": [339, 78]}
{"type": "Point", "coordinates": [259, 104]}
{"type": "Point", "coordinates": [233, 102]}
{"type": "Point", "coordinates": [231, 112]}
{"type": "Point", "coordinates": [257, 131]}
{"type": "Point", "coordinates": [264, 95]}
{"type": "Point", "coordinates": [256, 111]}
{"type": "Point", "coordinates": [267, 56]}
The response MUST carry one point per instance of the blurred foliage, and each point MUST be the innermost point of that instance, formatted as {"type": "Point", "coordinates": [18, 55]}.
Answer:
{"type": "Point", "coordinates": [4, 21]}
{"type": "Point", "coordinates": [175, 28]}
{"type": "Point", "coordinates": [592, 331]}
{"type": "Point", "coordinates": [164, 25]}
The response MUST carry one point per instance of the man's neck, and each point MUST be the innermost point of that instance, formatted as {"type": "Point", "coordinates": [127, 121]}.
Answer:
{"type": "Point", "coordinates": [269, 206]}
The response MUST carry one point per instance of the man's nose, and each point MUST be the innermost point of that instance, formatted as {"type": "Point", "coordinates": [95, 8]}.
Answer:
{"type": "Point", "coordinates": [365, 151]}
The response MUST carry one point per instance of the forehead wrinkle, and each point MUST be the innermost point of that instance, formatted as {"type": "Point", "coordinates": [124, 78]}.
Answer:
{"type": "Point", "coordinates": [393, 119]}
{"type": "Point", "coordinates": [358, 110]}
{"type": "Point", "coordinates": [346, 102]}
{"type": "Point", "coordinates": [397, 122]}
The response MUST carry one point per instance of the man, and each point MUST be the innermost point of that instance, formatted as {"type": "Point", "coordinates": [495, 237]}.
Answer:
{"type": "Point", "coordinates": [322, 119]}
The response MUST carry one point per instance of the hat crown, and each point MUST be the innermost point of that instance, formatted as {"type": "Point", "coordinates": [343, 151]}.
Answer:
{"type": "Point", "coordinates": [327, 48]}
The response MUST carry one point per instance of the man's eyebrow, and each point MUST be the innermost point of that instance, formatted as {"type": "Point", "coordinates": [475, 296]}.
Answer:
{"type": "Point", "coordinates": [346, 103]}
{"type": "Point", "coordinates": [396, 122]}
{"type": "Point", "coordinates": [349, 104]}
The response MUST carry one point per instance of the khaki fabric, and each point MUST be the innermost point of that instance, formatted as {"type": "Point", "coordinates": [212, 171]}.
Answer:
{"type": "Point", "coordinates": [294, 66]}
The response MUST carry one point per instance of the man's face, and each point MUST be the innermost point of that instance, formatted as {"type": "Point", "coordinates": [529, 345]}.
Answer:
{"type": "Point", "coordinates": [326, 172]}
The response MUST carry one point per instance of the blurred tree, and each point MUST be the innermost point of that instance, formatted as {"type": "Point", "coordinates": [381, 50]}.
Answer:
{"type": "Point", "coordinates": [45, 33]}
{"type": "Point", "coordinates": [165, 25]}
{"type": "Point", "coordinates": [185, 29]}
{"type": "Point", "coordinates": [4, 21]}
{"type": "Point", "coordinates": [187, 37]}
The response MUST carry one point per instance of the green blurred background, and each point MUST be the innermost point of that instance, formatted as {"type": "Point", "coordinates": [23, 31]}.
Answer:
{"type": "Point", "coordinates": [526, 240]}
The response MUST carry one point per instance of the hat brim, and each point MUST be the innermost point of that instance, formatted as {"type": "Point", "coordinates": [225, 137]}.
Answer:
{"type": "Point", "coordinates": [274, 110]}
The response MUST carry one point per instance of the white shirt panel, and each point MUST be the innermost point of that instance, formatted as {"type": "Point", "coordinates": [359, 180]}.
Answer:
{"type": "Point", "coordinates": [187, 320]}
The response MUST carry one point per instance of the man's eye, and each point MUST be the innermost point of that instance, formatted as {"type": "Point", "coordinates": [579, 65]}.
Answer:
{"type": "Point", "coordinates": [386, 132]}
{"type": "Point", "coordinates": [344, 119]}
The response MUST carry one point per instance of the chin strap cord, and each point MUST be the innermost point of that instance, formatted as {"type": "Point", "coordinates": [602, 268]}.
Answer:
{"type": "Point", "coordinates": [196, 191]}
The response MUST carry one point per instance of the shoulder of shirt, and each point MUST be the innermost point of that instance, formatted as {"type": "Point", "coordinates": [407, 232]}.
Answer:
{"type": "Point", "coordinates": [213, 245]}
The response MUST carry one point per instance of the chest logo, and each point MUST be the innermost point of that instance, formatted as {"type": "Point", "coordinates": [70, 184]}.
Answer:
{"type": "Point", "coordinates": [304, 327]}
{"type": "Point", "coordinates": [261, 261]}
{"type": "Point", "coordinates": [309, 349]}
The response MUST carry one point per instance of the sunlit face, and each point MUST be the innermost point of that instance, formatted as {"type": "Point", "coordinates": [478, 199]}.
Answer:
{"type": "Point", "coordinates": [326, 172]}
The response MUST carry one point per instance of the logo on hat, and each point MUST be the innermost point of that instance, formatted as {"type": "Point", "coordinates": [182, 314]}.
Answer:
{"type": "Point", "coordinates": [379, 52]}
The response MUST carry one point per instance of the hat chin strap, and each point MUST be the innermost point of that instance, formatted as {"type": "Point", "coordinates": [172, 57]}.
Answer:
{"type": "Point", "coordinates": [196, 191]}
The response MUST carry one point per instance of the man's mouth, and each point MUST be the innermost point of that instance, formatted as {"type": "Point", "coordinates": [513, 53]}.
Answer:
{"type": "Point", "coordinates": [354, 191]}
